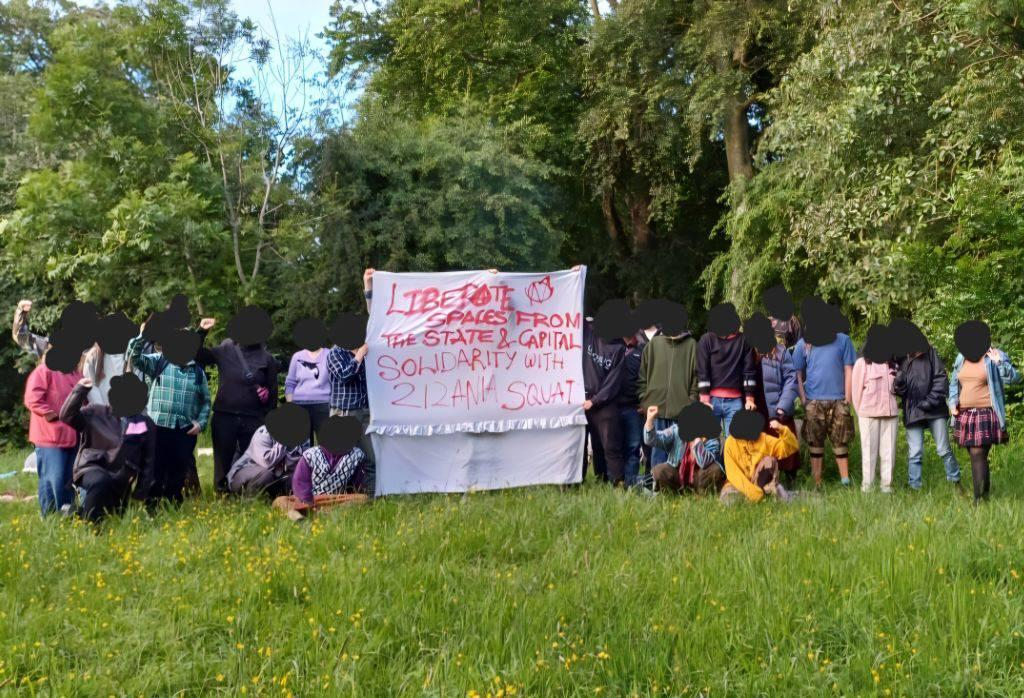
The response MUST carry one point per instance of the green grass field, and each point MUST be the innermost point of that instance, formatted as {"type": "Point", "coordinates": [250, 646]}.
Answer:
{"type": "Point", "coordinates": [531, 592]}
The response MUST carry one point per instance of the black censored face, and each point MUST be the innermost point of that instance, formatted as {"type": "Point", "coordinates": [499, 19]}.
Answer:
{"type": "Point", "coordinates": [778, 303]}
{"type": "Point", "coordinates": [348, 330]}
{"type": "Point", "coordinates": [250, 326]}
{"type": "Point", "coordinates": [128, 395]}
{"type": "Point", "coordinates": [973, 338]}
{"type": "Point", "coordinates": [115, 331]}
{"type": "Point", "coordinates": [878, 345]}
{"type": "Point", "coordinates": [180, 346]}
{"type": "Point", "coordinates": [723, 320]}
{"type": "Point", "coordinates": [822, 321]}
{"type": "Point", "coordinates": [746, 425]}
{"type": "Point", "coordinates": [288, 424]}
{"type": "Point", "coordinates": [758, 332]}
{"type": "Point", "coordinates": [310, 334]}
{"type": "Point", "coordinates": [906, 338]}
{"type": "Point", "coordinates": [614, 320]}
{"type": "Point", "coordinates": [696, 420]}
{"type": "Point", "coordinates": [339, 434]}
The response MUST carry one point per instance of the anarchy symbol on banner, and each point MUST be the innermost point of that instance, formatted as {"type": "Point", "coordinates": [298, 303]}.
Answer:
{"type": "Point", "coordinates": [540, 291]}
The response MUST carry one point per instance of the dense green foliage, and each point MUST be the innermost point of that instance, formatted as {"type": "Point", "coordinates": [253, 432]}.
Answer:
{"type": "Point", "coordinates": [541, 592]}
{"type": "Point", "coordinates": [705, 150]}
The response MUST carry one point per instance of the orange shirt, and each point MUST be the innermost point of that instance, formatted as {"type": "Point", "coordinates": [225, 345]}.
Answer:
{"type": "Point", "coordinates": [974, 390]}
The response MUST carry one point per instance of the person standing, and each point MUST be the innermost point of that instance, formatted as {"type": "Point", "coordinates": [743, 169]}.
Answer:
{"type": "Point", "coordinates": [779, 380]}
{"type": "Point", "coordinates": [668, 379]}
{"type": "Point", "coordinates": [824, 380]}
{"type": "Point", "coordinates": [179, 405]}
{"type": "Point", "coordinates": [726, 371]}
{"type": "Point", "coordinates": [922, 384]}
{"type": "Point", "coordinates": [308, 385]}
{"type": "Point", "coordinates": [874, 375]}
{"type": "Point", "coordinates": [631, 424]}
{"type": "Point", "coordinates": [55, 442]}
{"type": "Point", "coordinates": [602, 371]}
{"type": "Point", "coordinates": [246, 391]}
{"type": "Point", "coordinates": [976, 399]}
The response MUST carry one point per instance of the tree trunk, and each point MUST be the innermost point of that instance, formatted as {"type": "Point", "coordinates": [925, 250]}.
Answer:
{"type": "Point", "coordinates": [612, 222]}
{"type": "Point", "coordinates": [639, 218]}
{"type": "Point", "coordinates": [736, 135]}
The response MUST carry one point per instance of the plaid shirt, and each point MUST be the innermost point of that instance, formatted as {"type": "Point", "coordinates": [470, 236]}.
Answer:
{"type": "Point", "coordinates": [176, 398]}
{"type": "Point", "coordinates": [348, 380]}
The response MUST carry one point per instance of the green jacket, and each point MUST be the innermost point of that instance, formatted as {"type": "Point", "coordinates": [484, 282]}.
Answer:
{"type": "Point", "coordinates": [668, 374]}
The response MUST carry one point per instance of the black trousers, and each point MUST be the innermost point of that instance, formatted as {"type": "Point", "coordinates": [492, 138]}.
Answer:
{"type": "Point", "coordinates": [175, 459]}
{"type": "Point", "coordinates": [105, 493]}
{"type": "Point", "coordinates": [606, 434]}
{"type": "Point", "coordinates": [318, 413]}
{"type": "Point", "coordinates": [231, 434]}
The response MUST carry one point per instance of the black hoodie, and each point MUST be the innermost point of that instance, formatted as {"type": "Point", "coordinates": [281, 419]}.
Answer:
{"type": "Point", "coordinates": [602, 367]}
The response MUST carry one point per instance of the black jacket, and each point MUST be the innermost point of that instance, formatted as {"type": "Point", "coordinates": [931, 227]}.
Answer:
{"type": "Point", "coordinates": [726, 363]}
{"type": "Point", "coordinates": [602, 367]}
{"type": "Point", "coordinates": [236, 395]}
{"type": "Point", "coordinates": [628, 396]}
{"type": "Point", "coordinates": [923, 386]}
{"type": "Point", "coordinates": [103, 443]}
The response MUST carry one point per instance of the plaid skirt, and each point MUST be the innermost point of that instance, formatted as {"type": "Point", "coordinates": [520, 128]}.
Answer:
{"type": "Point", "coordinates": [978, 426]}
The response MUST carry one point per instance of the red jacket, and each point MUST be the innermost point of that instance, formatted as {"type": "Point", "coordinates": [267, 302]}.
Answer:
{"type": "Point", "coordinates": [45, 393]}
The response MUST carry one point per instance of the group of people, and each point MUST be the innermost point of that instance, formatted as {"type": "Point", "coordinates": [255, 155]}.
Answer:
{"type": "Point", "coordinates": [666, 411]}
{"type": "Point", "coordinates": [673, 400]}
{"type": "Point", "coordinates": [123, 422]}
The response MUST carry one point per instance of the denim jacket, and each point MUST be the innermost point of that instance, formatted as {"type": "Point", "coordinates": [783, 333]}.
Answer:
{"type": "Point", "coordinates": [999, 375]}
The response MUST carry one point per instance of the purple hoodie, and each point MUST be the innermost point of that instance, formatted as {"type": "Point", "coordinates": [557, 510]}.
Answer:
{"type": "Point", "coordinates": [309, 379]}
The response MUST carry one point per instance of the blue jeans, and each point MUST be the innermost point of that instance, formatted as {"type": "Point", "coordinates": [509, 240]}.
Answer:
{"type": "Point", "coordinates": [632, 436]}
{"type": "Point", "coordinates": [724, 408]}
{"type": "Point", "coordinates": [54, 467]}
{"type": "Point", "coordinates": [659, 456]}
{"type": "Point", "coordinates": [915, 449]}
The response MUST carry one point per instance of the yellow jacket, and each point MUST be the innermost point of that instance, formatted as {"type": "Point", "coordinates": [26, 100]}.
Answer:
{"type": "Point", "coordinates": [742, 457]}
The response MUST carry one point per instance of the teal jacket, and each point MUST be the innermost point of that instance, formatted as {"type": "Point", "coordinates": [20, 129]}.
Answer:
{"type": "Point", "coordinates": [999, 375]}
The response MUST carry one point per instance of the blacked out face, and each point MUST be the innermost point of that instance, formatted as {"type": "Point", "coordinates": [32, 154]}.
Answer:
{"type": "Point", "coordinates": [180, 346]}
{"type": "Point", "coordinates": [348, 330]}
{"type": "Point", "coordinates": [973, 338]}
{"type": "Point", "coordinates": [906, 338]}
{"type": "Point", "coordinates": [62, 359]}
{"type": "Point", "coordinates": [746, 425]}
{"type": "Point", "coordinates": [778, 302]}
{"type": "Point", "coordinates": [696, 420]}
{"type": "Point", "coordinates": [310, 334]}
{"type": "Point", "coordinates": [251, 325]}
{"type": "Point", "coordinates": [820, 321]}
{"type": "Point", "coordinates": [758, 332]}
{"type": "Point", "coordinates": [339, 434]}
{"type": "Point", "coordinates": [878, 345]}
{"type": "Point", "coordinates": [115, 331]}
{"type": "Point", "coordinates": [288, 424]}
{"type": "Point", "coordinates": [128, 395]}
{"type": "Point", "coordinates": [614, 319]}
{"type": "Point", "coordinates": [723, 320]}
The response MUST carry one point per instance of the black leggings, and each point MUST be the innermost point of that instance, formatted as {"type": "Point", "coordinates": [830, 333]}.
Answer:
{"type": "Point", "coordinates": [979, 471]}
{"type": "Point", "coordinates": [105, 493]}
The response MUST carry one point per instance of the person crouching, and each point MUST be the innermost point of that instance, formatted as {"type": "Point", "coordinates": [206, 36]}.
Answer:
{"type": "Point", "coordinates": [752, 458]}
{"type": "Point", "coordinates": [117, 445]}
{"type": "Point", "coordinates": [330, 473]}
{"type": "Point", "coordinates": [693, 449]}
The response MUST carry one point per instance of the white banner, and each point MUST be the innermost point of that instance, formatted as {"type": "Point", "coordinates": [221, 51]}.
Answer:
{"type": "Point", "coordinates": [475, 352]}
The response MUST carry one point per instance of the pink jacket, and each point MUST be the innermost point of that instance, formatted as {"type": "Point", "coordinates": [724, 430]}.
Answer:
{"type": "Point", "coordinates": [872, 390]}
{"type": "Point", "coordinates": [45, 393]}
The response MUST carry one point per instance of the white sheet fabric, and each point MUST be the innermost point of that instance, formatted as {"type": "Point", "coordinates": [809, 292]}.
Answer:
{"type": "Point", "coordinates": [460, 462]}
{"type": "Point", "coordinates": [475, 351]}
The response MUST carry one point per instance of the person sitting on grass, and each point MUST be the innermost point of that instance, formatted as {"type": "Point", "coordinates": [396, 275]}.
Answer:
{"type": "Point", "coordinates": [694, 451]}
{"type": "Point", "coordinates": [330, 473]}
{"type": "Point", "coordinates": [117, 445]}
{"type": "Point", "coordinates": [752, 458]}
{"type": "Point", "coordinates": [266, 466]}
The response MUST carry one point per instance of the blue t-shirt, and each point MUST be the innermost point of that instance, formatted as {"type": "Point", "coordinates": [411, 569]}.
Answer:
{"type": "Point", "coordinates": [824, 367]}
